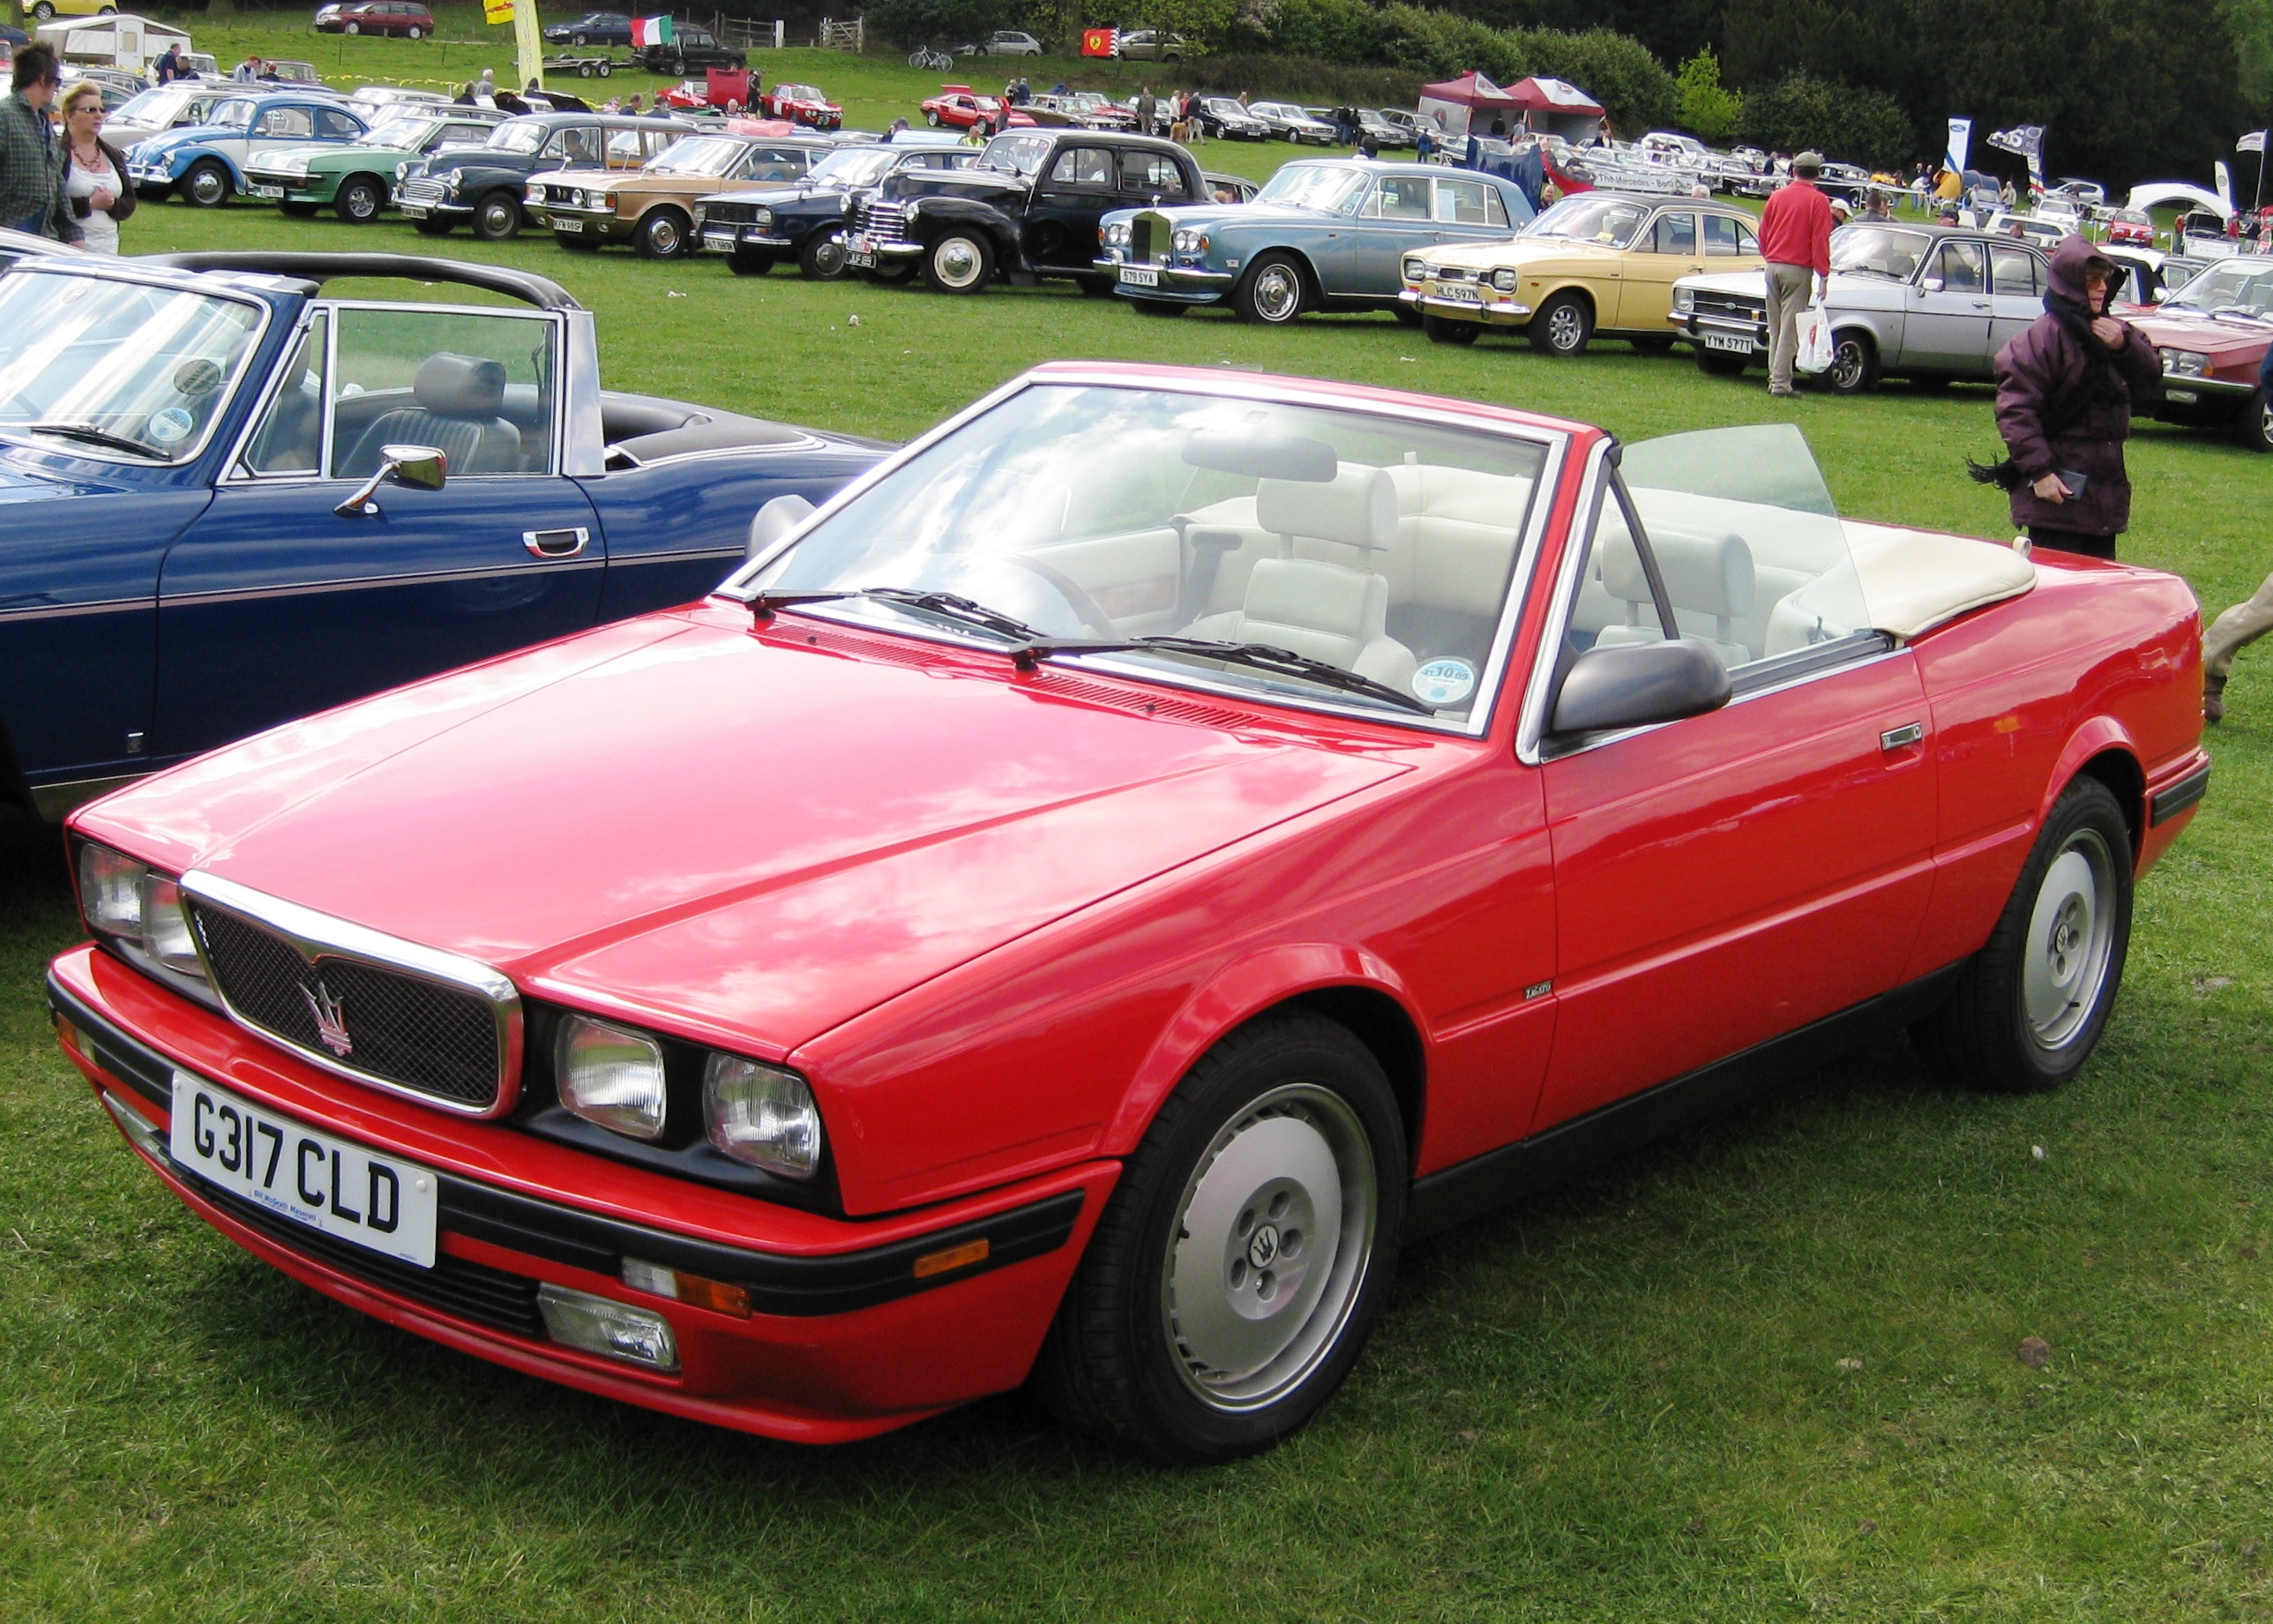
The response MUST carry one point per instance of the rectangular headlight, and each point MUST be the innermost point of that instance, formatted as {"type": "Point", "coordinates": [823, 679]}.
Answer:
{"type": "Point", "coordinates": [1684, 298]}
{"type": "Point", "coordinates": [761, 1116]}
{"type": "Point", "coordinates": [611, 1075]}
{"type": "Point", "coordinates": [166, 925]}
{"type": "Point", "coordinates": [111, 891]}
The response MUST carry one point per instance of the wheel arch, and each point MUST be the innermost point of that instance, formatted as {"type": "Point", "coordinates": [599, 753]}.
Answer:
{"type": "Point", "coordinates": [1313, 285]}
{"type": "Point", "coordinates": [2102, 748]}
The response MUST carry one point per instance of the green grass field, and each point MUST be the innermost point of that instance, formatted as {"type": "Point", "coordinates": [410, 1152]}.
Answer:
{"type": "Point", "coordinates": [1626, 1400]}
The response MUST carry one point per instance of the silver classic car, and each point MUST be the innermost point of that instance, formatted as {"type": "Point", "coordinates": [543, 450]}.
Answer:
{"type": "Point", "coordinates": [1926, 303]}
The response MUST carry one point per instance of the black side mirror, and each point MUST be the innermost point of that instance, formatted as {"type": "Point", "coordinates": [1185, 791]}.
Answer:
{"type": "Point", "coordinates": [1636, 684]}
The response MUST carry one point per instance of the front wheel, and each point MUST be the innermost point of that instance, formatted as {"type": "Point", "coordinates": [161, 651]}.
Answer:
{"type": "Point", "coordinates": [1854, 368]}
{"type": "Point", "coordinates": [823, 256]}
{"type": "Point", "coordinates": [1273, 294]}
{"type": "Point", "coordinates": [579, 39]}
{"type": "Point", "coordinates": [1564, 325]}
{"type": "Point", "coordinates": [2030, 1005]}
{"type": "Point", "coordinates": [1241, 1262]}
{"type": "Point", "coordinates": [414, 32]}
{"type": "Point", "coordinates": [959, 263]}
{"type": "Point", "coordinates": [206, 185]}
{"type": "Point", "coordinates": [661, 236]}
{"type": "Point", "coordinates": [359, 200]}
{"type": "Point", "coordinates": [352, 27]}
{"type": "Point", "coordinates": [1442, 330]}
{"type": "Point", "coordinates": [497, 217]}
{"type": "Point", "coordinates": [2254, 427]}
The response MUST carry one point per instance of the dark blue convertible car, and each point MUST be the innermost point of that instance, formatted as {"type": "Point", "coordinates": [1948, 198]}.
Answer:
{"type": "Point", "coordinates": [259, 526]}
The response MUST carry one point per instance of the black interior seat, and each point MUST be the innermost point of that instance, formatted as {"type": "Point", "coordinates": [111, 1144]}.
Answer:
{"type": "Point", "coordinates": [460, 400]}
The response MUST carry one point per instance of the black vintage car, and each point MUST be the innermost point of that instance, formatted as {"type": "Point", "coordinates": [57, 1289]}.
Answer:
{"type": "Point", "coordinates": [759, 228]}
{"type": "Point", "coordinates": [690, 46]}
{"type": "Point", "coordinates": [483, 186]}
{"type": "Point", "coordinates": [1029, 208]}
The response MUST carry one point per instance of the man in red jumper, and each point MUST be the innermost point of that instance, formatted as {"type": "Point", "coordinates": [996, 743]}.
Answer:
{"type": "Point", "coordinates": [1796, 241]}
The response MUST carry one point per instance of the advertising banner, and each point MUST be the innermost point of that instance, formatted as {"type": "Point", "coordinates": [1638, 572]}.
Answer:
{"type": "Point", "coordinates": [1960, 144]}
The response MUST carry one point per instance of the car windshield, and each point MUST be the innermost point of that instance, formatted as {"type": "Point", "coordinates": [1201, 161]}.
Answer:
{"type": "Point", "coordinates": [1332, 187]}
{"type": "Point", "coordinates": [1586, 218]}
{"type": "Point", "coordinates": [405, 132]}
{"type": "Point", "coordinates": [852, 166]}
{"type": "Point", "coordinates": [234, 114]}
{"type": "Point", "coordinates": [798, 93]}
{"type": "Point", "coordinates": [1123, 514]}
{"type": "Point", "coordinates": [2230, 286]}
{"type": "Point", "coordinates": [698, 155]}
{"type": "Point", "coordinates": [1877, 250]}
{"type": "Point", "coordinates": [119, 366]}
{"type": "Point", "coordinates": [1016, 154]}
{"type": "Point", "coordinates": [156, 107]}
{"type": "Point", "coordinates": [516, 137]}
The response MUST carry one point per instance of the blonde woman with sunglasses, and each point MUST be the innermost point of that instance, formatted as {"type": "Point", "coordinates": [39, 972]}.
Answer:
{"type": "Point", "coordinates": [94, 177]}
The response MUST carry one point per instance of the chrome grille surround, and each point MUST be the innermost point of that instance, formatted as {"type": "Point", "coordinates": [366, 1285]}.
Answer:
{"type": "Point", "coordinates": [459, 1002]}
{"type": "Point", "coordinates": [729, 213]}
{"type": "Point", "coordinates": [886, 222]}
{"type": "Point", "coordinates": [1743, 307]}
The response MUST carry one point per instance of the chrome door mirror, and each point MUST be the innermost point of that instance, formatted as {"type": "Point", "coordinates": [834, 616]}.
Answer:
{"type": "Point", "coordinates": [776, 519]}
{"type": "Point", "coordinates": [1931, 284]}
{"type": "Point", "coordinates": [422, 468]}
{"type": "Point", "coordinates": [1636, 684]}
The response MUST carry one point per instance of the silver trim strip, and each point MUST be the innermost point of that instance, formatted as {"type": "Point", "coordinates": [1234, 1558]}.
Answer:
{"type": "Point", "coordinates": [319, 935]}
{"type": "Point", "coordinates": [52, 612]}
{"type": "Point", "coordinates": [55, 802]}
{"type": "Point", "coordinates": [363, 582]}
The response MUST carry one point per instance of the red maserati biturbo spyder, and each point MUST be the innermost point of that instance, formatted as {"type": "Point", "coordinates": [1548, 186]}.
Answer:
{"type": "Point", "coordinates": [1072, 907]}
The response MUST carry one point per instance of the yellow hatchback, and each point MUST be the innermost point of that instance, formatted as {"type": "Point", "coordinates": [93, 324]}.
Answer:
{"type": "Point", "coordinates": [1596, 262]}
{"type": "Point", "coordinates": [45, 8]}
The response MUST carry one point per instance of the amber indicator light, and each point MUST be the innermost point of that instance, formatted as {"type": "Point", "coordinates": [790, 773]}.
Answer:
{"type": "Point", "coordinates": [952, 1257]}
{"type": "Point", "coordinates": [714, 1294]}
{"type": "Point", "coordinates": [67, 1035]}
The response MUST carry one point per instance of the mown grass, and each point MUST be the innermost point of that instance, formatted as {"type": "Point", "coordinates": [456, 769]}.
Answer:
{"type": "Point", "coordinates": [1621, 1401]}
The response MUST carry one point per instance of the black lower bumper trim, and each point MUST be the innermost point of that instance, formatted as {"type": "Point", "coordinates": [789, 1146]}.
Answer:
{"type": "Point", "coordinates": [777, 1283]}
{"type": "Point", "coordinates": [2186, 793]}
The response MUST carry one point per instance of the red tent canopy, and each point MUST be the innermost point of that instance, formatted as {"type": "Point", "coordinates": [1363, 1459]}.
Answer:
{"type": "Point", "coordinates": [1473, 90]}
{"type": "Point", "coordinates": [1557, 98]}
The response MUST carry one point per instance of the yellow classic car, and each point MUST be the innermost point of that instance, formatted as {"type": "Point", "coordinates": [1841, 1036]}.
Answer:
{"type": "Point", "coordinates": [1597, 261]}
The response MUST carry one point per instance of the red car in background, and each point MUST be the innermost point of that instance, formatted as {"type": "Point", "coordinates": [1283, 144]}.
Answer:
{"type": "Point", "coordinates": [1071, 908]}
{"type": "Point", "coordinates": [2212, 334]}
{"type": "Point", "coordinates": [727, 89]}
{"type": "Point", "coordinates": [802, 104]}
{"type": "Point", "coordinates": [407, 18]}
{"type": "Point", "coordinates": [958, 108]}
{"type": "Point", "coordinates": [2131, 228]}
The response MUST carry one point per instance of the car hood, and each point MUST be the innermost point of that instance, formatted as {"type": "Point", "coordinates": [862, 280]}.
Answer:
{"type": "Point", "coordinates": [188, 135]}
{"type": "Point", "coordinates": [1264, 216]}
{"type": "Point", "coordinates": [992, 183]}
{"type": "Point", "coordinates": [2225, 337]}
{"type": "Point", "coordinates": [325, 149]}
{"type": "Point", "coordinates": [757, 835]}
{"type": "Point", "coordinates": [1518, 252]}
{"type": "Point", "coordinates": [776, 197]}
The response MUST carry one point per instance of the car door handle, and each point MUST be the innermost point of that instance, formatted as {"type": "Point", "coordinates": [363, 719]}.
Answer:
{"type": "Point", "coordinates": [1902, 738]}
{"type": "Point", "coordinates": [564, 543]}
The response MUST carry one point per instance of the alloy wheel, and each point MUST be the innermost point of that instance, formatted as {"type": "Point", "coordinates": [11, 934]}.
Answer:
{"type": "Point", "coordinates": [2070, 940]}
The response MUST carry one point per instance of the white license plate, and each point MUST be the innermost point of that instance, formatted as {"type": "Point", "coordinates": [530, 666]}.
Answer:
{"type": "Point", "coordinates": [1138, 276]}
{"type": "Point", "coordinates": [1465, 293]}
{"type": "Point", "coordinates": [267, 192]}
{"type": "Point", "coordinates": [1728, 341]}
{"type": "Point", "coordinates": [718, 239]}
{"type": "Point", "coordinates": [416, 211]}
{"type": "Point", "coordinates": [332, 1185]}
{"type": "Point", "coordinates": [567, 225]}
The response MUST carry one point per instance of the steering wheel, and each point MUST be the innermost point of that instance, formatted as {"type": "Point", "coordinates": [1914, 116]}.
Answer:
{"type": "Point", "coordinates": [1094, 620]}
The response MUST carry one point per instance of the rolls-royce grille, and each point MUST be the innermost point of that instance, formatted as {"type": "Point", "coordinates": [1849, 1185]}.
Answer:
{"type": "Point", "coordinates": [1734, 305]}
{"type": "Point", "coordinates": [392, 1027]}
{"type": "Point", "coordinates": [886, 223]}
{"type": "Point", "coordinates": [1148, 240]}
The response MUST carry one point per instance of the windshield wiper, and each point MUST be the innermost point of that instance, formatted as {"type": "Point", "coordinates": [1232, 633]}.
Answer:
{"type": "Point", "coordinates": [945, 605]}
{"type": "Point", "coordinates": [1262, 656]}
{"type": "Point", "coordinates": [95, 436]}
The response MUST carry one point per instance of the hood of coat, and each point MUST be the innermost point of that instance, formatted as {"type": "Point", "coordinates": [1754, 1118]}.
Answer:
{"type": "Point", "coordinates": [2071, 260]}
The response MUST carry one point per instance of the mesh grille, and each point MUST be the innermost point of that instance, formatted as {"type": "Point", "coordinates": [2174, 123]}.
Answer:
{"type": "Point", "coordinates": [729, 213]}
{"type": "Point", "coordinates": [415, 1033]}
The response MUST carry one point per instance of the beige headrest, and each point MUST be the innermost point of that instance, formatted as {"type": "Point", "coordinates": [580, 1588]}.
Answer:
{"type": "Point", "coordinates": [1706, 573]}
{"type": "Point", "coordinates": [1357, 508]}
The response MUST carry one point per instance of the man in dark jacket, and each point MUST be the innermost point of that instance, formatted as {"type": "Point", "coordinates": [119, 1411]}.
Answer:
{"type": "Point", "coordinates": [2064, 395]}
{"type": "Point", "coordinates": [31, 159]}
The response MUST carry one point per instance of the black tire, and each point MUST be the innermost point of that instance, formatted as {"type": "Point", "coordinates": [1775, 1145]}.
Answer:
{"type": "Point", "coordinates": [2253, 428]}
{"type": "Point", "coordinates": [1157, 307]}
{"type": "Point", "coordinates": [351, 28]}
{"type": "Point", "coordinates": [206, 185]}
{"type": "Point", "coordinates": [749, 261]}
{"type": "Point", "coordinates": [1444, 330]}
{"type": "Point", "coordinates": [2028, 1007]}
{"type": "Point", "coordinates": [931, 117]}
{"type": "Point", "coordinates": [958, 262]}
{"type": "Point", "coordinates": [1406, 314]}
{"type": "Point", "coordinates": [1853, 367]}
{"type": "Point", "coordinates": [662, 234]}
{"type": "Point", "coordinates": [821, 259]}
{"type": "Point", "coordinates": [432, 225]}
{"type": "Point", "coordinates": [676, 68]}
{"type": "Point", "coordinates": [584, 71]}
{"type": "Point", "coordinates": [497, 217]}
{"type": "Point", "coordinates": [1275, 291]}
{"type": "Point", "coordinates": [360, 200]}
{"type": "Point", "coordinates": [1272, 1118]}
{"type": "Point", "coordinates": [1721, 363]}
{"type": "Point", "coordinates": [1564, 325]}
{"type": "Point", "coordinates": [1656, 343]}
{"type": "Point", "coordinates": [605, 68]}
{"type": "Point", "coordinates": [42, 9]}
{"type": "Point", "coordinates": [578, 39]}
{"type": "Point", "coordinates": [299, 211]}
{"type": "Point", "coordinates": [414, 32]}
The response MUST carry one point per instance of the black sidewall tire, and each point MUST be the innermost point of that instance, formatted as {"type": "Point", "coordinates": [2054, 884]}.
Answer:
{"type": "Point", "coordinates": [2256, 426]}
{"type": "Point", "coordinates": [497, 217]}
{"type": "Point", "coordinates": [207, 170]}
{"type": "Point", "coordinates": [823, 256]}
{"type": "Point", "coordinates": [1107, 1367]}
{"type": "Point", "coordinates": [1857, 375]}
{"type": "Point", "coordinates": [662, 235]}
{"type": "Point", "coordinates": [1543, 330]}
{"type": "Point", "coordinates": [346, 202]}
{"type": "Point", "coordinates": [1979, 1035]}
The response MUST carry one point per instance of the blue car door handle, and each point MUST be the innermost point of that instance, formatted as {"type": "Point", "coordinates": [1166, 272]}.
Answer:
{"type": "Point", "coordinates": [562, 543]}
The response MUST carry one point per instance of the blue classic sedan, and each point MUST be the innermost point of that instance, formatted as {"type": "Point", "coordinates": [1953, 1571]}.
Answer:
{"type": "Point", "coordinates": [1325, 235]}
{"type": "Point", "coordinates": [205, 163]}
{"type": "Point", "coordinates": [260, 525]}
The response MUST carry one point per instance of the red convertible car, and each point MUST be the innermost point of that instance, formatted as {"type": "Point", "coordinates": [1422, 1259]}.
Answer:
{"type": "Point", "coordinates": [1073, 907]}
{"type": "Point", "coordinates": [2213, 333]}
{"type": "Point", "coordinates": [802, 104]}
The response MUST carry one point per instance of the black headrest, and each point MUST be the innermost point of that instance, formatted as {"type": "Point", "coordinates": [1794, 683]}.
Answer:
{"type": "Point", "coordinates": [460, 386]}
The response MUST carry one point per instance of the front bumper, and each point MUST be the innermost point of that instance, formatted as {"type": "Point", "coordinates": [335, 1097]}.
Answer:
{"type": "Point", "coordinates": [153, 174]}
{"type": "Point", "coordinates": [1490, 306]}
{"type": "Point", "coordinates": [728, 236]}
{"type": "Point", "coordinates": [274, 186]}
{"type": "Point", "coordinates": [1733, 335]}
{"type": "Point", "coordinates": [843, 1340]}
{"type": "Point", "coordinates": [1171, 284]}
{"type": "Point", "coordinates": [879, 249]}
{"type": "Point", "coordinates": [603, 223]}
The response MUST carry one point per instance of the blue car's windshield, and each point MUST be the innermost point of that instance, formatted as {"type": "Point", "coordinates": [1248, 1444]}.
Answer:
{"type": "Point", "coordinates": [1332, 187]}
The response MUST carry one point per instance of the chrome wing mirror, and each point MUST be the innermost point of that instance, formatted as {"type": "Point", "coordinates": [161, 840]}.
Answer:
{"type": "Point", "coordinates": [422, 468]}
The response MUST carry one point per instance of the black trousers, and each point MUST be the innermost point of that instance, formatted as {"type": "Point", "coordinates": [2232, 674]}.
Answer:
{"type": "Point", "coordinates": [2072, 541]}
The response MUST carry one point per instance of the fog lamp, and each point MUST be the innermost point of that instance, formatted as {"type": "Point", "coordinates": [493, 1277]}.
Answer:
{"type": "Point", "coordinates": [111, 891]}
{"type": "Point", "coordinates": [611, 1329]}
{"type": "Point", "coordinates": [611, 1075]}
{"type": "Point", "coordinates": [761, 1116]}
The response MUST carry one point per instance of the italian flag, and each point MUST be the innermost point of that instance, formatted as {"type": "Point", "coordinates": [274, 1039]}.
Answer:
{"type": "Point", "coordinates": [648, 31]}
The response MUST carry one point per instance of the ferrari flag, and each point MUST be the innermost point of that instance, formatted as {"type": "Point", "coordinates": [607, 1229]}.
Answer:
{"type": "Point", "coordinates": [1099, 42]}
{"type": "Point", "coordinates": [648, 31]}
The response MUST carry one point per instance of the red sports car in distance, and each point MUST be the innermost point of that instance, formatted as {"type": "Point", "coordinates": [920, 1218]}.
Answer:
{"type": "Point", "coordinates": [1073, 907]}
{"type": "Point", "coordinates": [802, 104]}
{"type": "Point", "coordinates": [2131, 228]}
{"type": "Point", "coordinates": [959, 108]}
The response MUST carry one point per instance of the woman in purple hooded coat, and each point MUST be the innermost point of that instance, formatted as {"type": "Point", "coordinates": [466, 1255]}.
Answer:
{"type": "Point", "coordinates": [2064, 389]}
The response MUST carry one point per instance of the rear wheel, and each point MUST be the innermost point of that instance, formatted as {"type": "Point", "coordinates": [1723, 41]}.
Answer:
{"type": "Point", "coordinates": [497, 217]}
{"type": "Point", "coordinates": [1243, 1256]}
{"type": "Point", "coordinates": [749, 262]}
{"type": "Point", "coordinates": [823, 256]}
{"type": "Point", "coordinates": [1563, 326]}
{"type": "Point", "coordinates": [1442, 330]}
{"type": "Point", "coordinates": [43, 10]}
{"type": "Point", "coordinates": [2032, 1004]}
{"type": "Point", "coordinates": [959, 262]}
{"type": "Point", "coordinates": [414, 32]}
{"type": "Point", "coordinates": [1273, 292]}
{"type": "Point", "coordinates": [1854, 368]}
{"type": "Point", "coordinates": [206, 185]}
{"type": "Point", "coordinates": [359, 200]}
{"type": "Point", "coordinates": [662, 235]}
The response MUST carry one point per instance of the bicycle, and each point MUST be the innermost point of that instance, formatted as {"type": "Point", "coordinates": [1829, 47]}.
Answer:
{"type": "Point", "coordinates": [933, 61]}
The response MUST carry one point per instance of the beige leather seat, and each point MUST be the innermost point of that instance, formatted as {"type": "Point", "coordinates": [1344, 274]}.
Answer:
{"type": "Point", "coordinates": [1706, 575]}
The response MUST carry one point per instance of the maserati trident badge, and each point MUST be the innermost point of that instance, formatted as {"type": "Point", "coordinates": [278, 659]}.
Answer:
{"type": "Point", "coordinates": [331, 1024]}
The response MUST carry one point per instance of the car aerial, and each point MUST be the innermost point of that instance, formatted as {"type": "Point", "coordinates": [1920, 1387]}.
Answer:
{"type": "Point", "coordinates": [1225, 118]}
{"type": "Point", "coordinates": [2133, 227]}
{"type": "Point", "coordinates": [592, 28]}
{"type": "Point", "coordinates": [356, 182]}
{"type": "Point", "coordinates": [165, 107]}
{"type": "Point", "coordinates": [1030, 207]}
{"type": "Point", "coordinates": [690, 46]}
{"type": "Point", "coordinates": [1009, 43]}
{"type": "Point", "coordinates": [1147, 45]}
{"type": "Point", "coordinates": [407, 18]}
{"type": "Point", "coordinates": [801, 104]}
{"type": "Point", "coordinates": [1289, 123]}
{"type": "Point", "coordinates": [2212, 334]}
{"type": "Point", "coordinates": [204, 163]}
{"type": "Point", "coordinates": [654, 210]}
{"type": "Point", "coordinates": [1323, 234]}
{"type": "Point", "coordinates": [1364, 809]}
{"type": "Point", "coordinates": [224, 424]}
{"type": "Point", "coordinates": [1926, 303]}
{"type": "Point", "coordinates": [805, 220]}
{"type": "Point", "coordinates": [1598, 262]}
{"type": "Point", "coordinates": [959, 107]}
{"type": "Point", "coordinates": [485, 188]}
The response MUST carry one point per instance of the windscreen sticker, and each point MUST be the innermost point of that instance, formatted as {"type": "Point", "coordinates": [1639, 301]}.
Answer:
{"type": "Point", "coordinates": [169, 427]}
{"type": "Point", "coordinates": [1444, 682]}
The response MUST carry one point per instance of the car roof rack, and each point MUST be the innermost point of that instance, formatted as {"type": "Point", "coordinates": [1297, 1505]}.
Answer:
{"type": "Point", "coordinates": [541, 291]}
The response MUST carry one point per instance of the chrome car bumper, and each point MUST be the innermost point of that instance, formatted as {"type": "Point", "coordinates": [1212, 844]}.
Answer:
{"type": "Point", "coordinates": [2184, 391]}
{"type": "Point", "coordinates": [1490, 307]}
{"type": "Point", "coordinates": [1184, 285]}
{"type": "Point", "coordinates": [725, 239]}
{"type": "Point", "coordinates": [1720, 332]}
